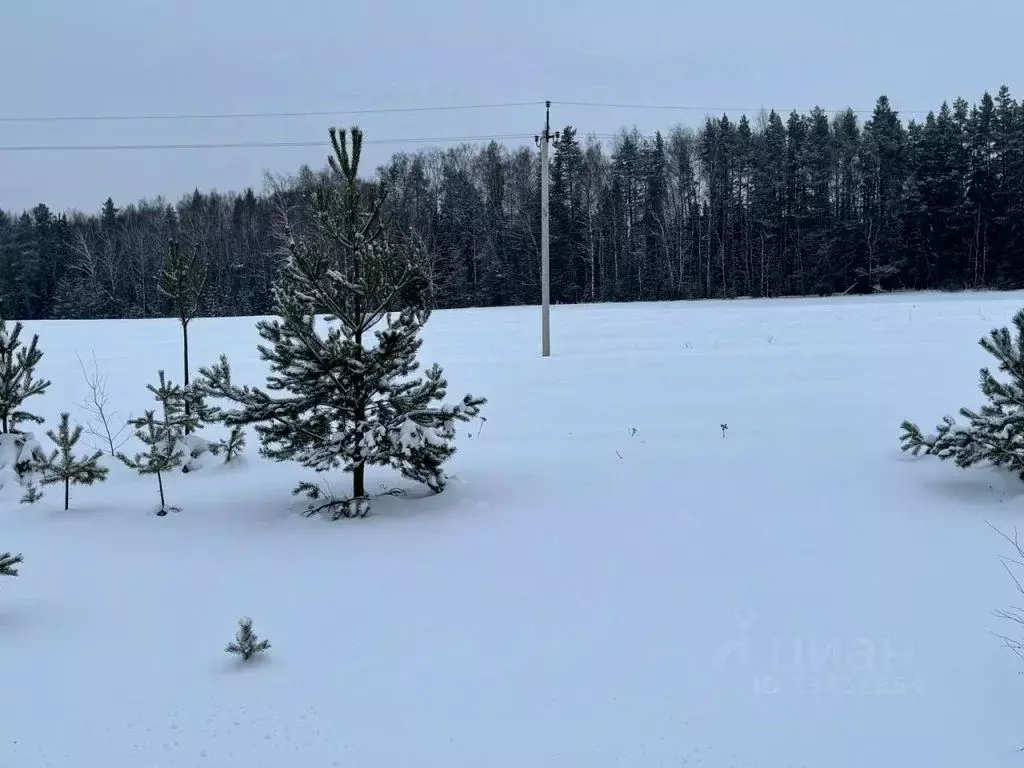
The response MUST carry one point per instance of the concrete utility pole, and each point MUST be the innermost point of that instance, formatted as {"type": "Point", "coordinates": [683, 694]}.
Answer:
{"type": "Point", "coordinates": [545, 255]}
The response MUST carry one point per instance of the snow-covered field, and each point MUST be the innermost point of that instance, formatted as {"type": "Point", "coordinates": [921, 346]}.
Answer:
{"type": "Point", "coordinates": [607, 580]}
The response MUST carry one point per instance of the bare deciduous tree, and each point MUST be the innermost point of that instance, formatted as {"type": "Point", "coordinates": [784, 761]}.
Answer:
{"type": "Point", "coordinates": [106, 426]}
{"type": "Point", "coordinates": [1013, 613]}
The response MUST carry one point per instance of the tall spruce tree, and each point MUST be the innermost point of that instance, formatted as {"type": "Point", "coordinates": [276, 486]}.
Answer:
{"type": "Point", "coordinates": [20, 269]}
{"type": "Point", "coordinates": [17, 368]}
{"type": "Point", "coordinates": [182, 280]}
{"type": "Point", "coordinates": [349, 403]}
{"type": "Point", "coordinates": [63, 467]}
{"type": "Point", "coordinates": [567, 242]}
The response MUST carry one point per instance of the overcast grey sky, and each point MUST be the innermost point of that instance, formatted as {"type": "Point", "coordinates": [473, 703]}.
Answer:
{"type": "Point", "coordinates": [115, 57]}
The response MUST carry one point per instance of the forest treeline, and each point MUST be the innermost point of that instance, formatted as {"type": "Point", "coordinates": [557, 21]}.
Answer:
{"type": "Point", "coordinates": [771, 206]}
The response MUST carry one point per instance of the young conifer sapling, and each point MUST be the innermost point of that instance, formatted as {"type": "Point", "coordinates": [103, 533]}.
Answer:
{"type": "Point", "coordinates": [32, 493]}
{"type": "Point", "coordinates": [345, 394]}
{"type": "Point", "coordinates": [163, 453]}
{"type": "Point", "coordinates": [182, 280]}
{"type": "Point", "coordinates": [63, 467]}
{"type": "Point", "coordinates": [246, 643]}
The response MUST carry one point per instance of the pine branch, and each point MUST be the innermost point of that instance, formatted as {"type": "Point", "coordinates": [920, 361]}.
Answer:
{"type": "Point", "coordinates": [993, 434]}
{"type": "Point", "coordinates": [8, 563]}
{"type": "Point", "coordinates": [338, 508]}
{"type": "Point", "coordinates": [257, 406]}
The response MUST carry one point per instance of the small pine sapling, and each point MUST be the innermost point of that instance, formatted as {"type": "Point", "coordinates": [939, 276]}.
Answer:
{"type": "Point", "coordinates": [174, 405]}
{"type": "Point", "coordinates": [234, 445]}
{"type": "Point", "coordinates": [8, 563]}
{"type": "Point", "coordinates": [32, 493]}
{"type": "Point", "coordinates": [183, 280]}
{"type": "Point", "coordinates": [184, 411]}
{"type": "Point", "coordinates": [201, 413]}
{"type": "Point", "coordinates": [995, 433]}
{"type": "Point", "coordinates": [246, 643]}
{"type": "Point", "coordinates": [63, 467]}
{"type": "Point", "coordinates": [164, 453]}
{"type": "Point", "coordinates": [17, 368]}
{"type": "Point", "coordinates": [347, 402]}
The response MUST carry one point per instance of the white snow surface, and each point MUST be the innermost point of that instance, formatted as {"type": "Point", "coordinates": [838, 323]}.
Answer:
{"type": "Point", "coordinates": [795, 593]}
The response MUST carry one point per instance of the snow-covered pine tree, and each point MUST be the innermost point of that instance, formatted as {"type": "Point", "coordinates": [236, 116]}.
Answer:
{"type": "Point", "coordinates": [20, 452]}
{"type": "Point", "coordinates": [246, 643]}
{"type": "Point", "coordinates": [349, 403]}
{"type": "Point", "coordinates": [173, 400]}
{"type": "Point", "coordinates": [17, 383]}
{"type": "Point", "coordinates": [165, 452]}
{"type": "Point", "coordinates": [63, 467]}
{"type": "Point", "coordinates": [184, 410]}
{"type": "Point", "coordinates": [21, 456]}
{"type": "Point", "coordinates": [995, 433]}
{"type": "Point", "coordinates": [8, 563]}
{"type": "Point", "coordinates": [182, 280]}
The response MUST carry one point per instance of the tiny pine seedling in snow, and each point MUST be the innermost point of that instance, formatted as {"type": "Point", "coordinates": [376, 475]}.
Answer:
{"type": "Point", "coordinates": [246, 643]}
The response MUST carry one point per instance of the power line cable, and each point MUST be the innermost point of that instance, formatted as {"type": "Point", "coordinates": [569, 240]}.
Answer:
{"type": "Point", "coordinates": [259, 115]}
{"type": "Point", "coordinates": [249, 144]}
{"type": "Point", "coordinates": [399, 110]}
{"type": "Point", "coordinates": [694, 108]}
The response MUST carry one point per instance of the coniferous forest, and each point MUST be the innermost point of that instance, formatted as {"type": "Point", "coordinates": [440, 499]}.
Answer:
{"type": "Point", "coordinates": [772, 205]}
